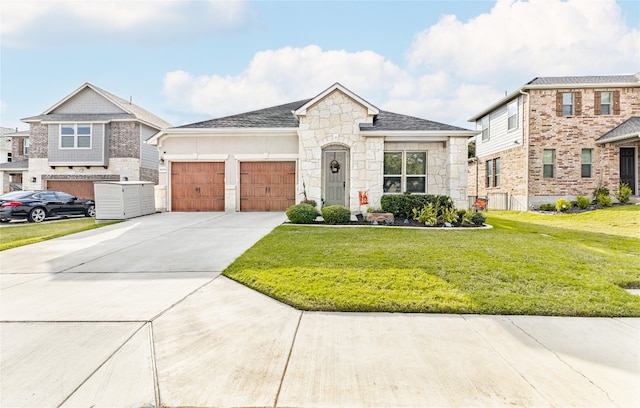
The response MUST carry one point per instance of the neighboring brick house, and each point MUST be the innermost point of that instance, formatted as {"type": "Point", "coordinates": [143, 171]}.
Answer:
{"type": "Point", "coordinates": [91, 135]}
{"type": "Point", "coordinates": [557, 137]}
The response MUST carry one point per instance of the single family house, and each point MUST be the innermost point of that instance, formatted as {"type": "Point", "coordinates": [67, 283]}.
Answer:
{"type": "Point", "coordinates": [90, 135]}
{"type": "Point", "coordinates": [557, 137]}
{"type": "Point", "coordinates": [335, 148]}
{"type": "Point", "coordinates": [14, 153]}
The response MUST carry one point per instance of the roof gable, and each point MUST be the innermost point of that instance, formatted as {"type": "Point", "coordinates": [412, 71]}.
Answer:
{"type": "Point", "coordinates": [371, 109]}
{"type": "Point", "coordinates": [627, 130]}
{"type": "Point", "coordinates": [90, 102]}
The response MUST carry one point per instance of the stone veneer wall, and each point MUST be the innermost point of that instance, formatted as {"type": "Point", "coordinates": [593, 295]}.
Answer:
{"type": "Point", "coordinates": [569, 135]}
{"type": "Point", "coordinates": [118, 168]}
{"type": "Point", "coordinates": [335, 121]}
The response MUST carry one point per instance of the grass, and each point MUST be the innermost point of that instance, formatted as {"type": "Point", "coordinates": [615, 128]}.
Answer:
{"type": "Point", "coordinates": [12, 236]}
{"type": "Point", "coordinates": [566, 265]}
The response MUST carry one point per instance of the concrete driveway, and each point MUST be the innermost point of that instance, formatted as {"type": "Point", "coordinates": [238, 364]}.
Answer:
{"type": "Point", "coordinates": [137, 315]}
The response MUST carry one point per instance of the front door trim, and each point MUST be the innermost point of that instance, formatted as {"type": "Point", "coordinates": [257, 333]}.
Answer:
{"type": "Point", "coordinates": [331, 181]}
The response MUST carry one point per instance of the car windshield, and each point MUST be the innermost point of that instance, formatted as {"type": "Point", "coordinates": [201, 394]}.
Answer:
{"type": "Point", "coordinates": [16, 194]}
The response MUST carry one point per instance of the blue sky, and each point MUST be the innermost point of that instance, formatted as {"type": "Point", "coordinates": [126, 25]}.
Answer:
{"type": "Point", "coordinates": [187, 61]}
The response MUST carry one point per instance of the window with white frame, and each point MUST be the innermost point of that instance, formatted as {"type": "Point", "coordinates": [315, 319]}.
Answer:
{"type": "Point", "coordinates": [586, 162]}
{"type": "Point", "coordinates": [548, 163]}
{"type": "Point", "coordinates": [606, 99]}
{"type": "Point", "coordinates": [567, 104]}
{"type": "Point", "coordinates": [512, 112]}
{"type": "Point", "coordinates": [75, 136]}
{"type": "Point", "coordinates": [484, 126]}
{"type": "Point", "coordinates": [25, 147]}
{"type": "Point", "coordinates": [405, 171]}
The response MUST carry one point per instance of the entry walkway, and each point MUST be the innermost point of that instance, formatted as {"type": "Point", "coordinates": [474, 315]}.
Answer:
{"type": "Point", "coordinates": [137, 314]}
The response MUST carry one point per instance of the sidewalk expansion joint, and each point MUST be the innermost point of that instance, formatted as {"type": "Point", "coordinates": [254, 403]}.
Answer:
{"type": "Point", "coordinates": [286, 365]}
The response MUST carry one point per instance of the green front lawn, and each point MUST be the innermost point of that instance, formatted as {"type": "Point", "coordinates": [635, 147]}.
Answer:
{"type": "Point", "coordinates": [573, 265]}
{"type": "Point", "coordinates": [15, 235]}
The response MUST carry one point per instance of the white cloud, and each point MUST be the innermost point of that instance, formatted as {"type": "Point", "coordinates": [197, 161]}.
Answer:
{"type": "Point", "coordinates": [529, 39]}
{"type": "Point", "coordinates": [454, 69]}
{"type": "Point", "coordinates": [281, 76]}
{"type": "Point", "coordinates": [35, 23]}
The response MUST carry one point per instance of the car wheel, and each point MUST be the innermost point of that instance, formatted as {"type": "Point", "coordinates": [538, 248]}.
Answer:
{"type": "Point", "coordinates": [38, 214]}
{"type": "Point", "coordinates": [91, 211]}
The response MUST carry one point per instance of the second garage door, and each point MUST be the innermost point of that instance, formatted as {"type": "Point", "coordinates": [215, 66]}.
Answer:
{"type": "Point", "coordinates": [78, 188]}
{"type": "Point", "coordinates": [197, 186]}
{"type": "Point", "coordinates": [267, 186]}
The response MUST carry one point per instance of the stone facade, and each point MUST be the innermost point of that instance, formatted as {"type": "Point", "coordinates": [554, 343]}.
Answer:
{"type": "Point", "coordinates": [334, 121]}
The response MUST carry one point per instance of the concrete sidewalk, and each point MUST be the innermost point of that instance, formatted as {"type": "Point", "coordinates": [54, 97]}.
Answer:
{"type": "Point", "coordinates": [137, 314]}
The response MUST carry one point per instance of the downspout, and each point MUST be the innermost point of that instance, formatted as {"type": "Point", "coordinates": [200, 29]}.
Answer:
{"type": "Point", "coordinates": [525, 144]}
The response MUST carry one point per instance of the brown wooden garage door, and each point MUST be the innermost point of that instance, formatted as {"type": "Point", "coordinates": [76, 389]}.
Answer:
{"type": "Point", "coordinates": [267, 186]}
{"type": "Point", "coordinates": [78, 188]}
{"type": "Point", "coordinates": [197, 186]}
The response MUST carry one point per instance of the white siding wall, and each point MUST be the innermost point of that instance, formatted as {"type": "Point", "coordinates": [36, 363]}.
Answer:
{"type": "Point", "coordinates": [148, 154]}
{"type": "Point", "coordinates": [500, 138]}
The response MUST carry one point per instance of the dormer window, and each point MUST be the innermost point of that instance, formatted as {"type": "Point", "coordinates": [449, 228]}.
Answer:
{"type": "Point", "coordinates": [75, 136]}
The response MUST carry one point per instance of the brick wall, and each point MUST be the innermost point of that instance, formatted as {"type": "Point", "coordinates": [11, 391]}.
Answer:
{"type": "Point", "coordinates": [124, 140]}
{"type": "Point", "coordinates": [39, 136]}
{"type": "Point", "coordinates": [568, 136]}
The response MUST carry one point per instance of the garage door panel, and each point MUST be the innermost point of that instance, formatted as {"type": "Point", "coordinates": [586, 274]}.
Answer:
{"type": "Point", "coordinates": [79, 188]}
{"type": "Point", "coordinates": [197, 186]}
{"type": "Point", "coordinates": [267, 186]}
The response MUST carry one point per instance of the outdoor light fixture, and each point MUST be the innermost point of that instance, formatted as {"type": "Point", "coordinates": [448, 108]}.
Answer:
{"type": "Point", "coordinates": [33, 179]}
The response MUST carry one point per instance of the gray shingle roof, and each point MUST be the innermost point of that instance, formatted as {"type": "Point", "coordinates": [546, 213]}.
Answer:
{"type": "Point", "coordinates": [82, 117]}
{"type": "Point", "coordinates": [15, 165]}
{"type": "Point", "coordinates": [630, 128]}
{"type": "Point", "coordinates": [397, 122]}
{"type": "Point", "coordinates": [281, 116]}
{"type": "Point", "coordinates": [577, 80]}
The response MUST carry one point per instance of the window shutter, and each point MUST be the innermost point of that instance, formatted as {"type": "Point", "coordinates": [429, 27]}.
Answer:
{"type": "Point", "coordinates": [559, 103]}
{"type": "Point", "coordinates": [577, 100]}
{"type": "Point", "coordinates": [20, 146]}
{"type": "Point", "coordinates": [597, 107]}
{"type": "Point", "coordinates": [616, 102]}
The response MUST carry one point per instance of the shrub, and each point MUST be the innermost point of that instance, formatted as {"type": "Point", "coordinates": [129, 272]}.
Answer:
{"type": "Point", "coordinates": [336, 214]}
{"type": "Point", "coordinates": [582, 202]}
{"type": "Point", "coordinates": [402, 205]}
{"type": "Point", "coordinates": [427, 215]}
{"type": "Point", "coordinates": [302, 214]}
{"type": "Point", "coordinates": [603, 200]}
{"type": "Point", "coordinates": [465, 217]}
{"type": "Point", "coordinates": [562, 205]}
{"type": "Point", "coordinates": [478, 218]}
{"type": "Point", "coordinates": [547, 207]}
{"type": "Point", "coordinates": [449, 215]}
{"type": "Point", "coordinates": [623, 193]}
{"type": "Point", "coordinates": [310, 202]}
{"type": "Point", "coordinates": [601, 196]}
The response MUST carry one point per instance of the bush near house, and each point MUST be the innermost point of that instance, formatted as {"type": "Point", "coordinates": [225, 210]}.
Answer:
{"type": "Point", "coordinates": [547, 207]}
{"type": "Point", "coordinates": [624, 193]}
{"type": "Point", "coordinates": [582, 202]}
{"type": "Point", "coordinates": [402, 205]}
{"type": "Point", "coordinates": [336, 214]}
{"type": "Point", "coordinates": [562, 205]}
{"type": "Point", "coordinates": [302, 214]}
